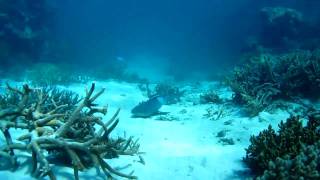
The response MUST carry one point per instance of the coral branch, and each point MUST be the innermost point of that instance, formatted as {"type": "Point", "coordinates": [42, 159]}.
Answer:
{"type": "Point", "coordinates": [64, 129]}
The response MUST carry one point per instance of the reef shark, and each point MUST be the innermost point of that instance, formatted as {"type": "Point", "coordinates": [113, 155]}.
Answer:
{"type": "Point", "coordinates": [148, 108]}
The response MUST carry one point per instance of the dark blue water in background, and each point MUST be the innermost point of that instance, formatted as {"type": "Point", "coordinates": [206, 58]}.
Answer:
{"type": "Point", "coordinates": [181, 37]}
{"type": "Point", "coordinates": [191, 35]}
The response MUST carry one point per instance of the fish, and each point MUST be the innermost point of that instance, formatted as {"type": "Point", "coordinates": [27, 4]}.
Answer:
{"type": "Point", "coordinates": [120, 59]}
{"type": "Point", "coordinates": [148, 108]}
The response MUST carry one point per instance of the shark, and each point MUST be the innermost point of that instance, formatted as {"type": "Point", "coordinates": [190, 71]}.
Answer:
{"type": "Point", "coordinates": [149, 107]}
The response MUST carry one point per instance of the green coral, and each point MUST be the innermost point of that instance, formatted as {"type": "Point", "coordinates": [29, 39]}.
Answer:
{"type": "Point", "coordinates": [271, 151]}
{"type": "Point", "coordinates": [303, 166]}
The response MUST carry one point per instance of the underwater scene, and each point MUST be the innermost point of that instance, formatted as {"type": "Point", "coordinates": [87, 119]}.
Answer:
{"type": "Point", "coordinates": [160, 90]}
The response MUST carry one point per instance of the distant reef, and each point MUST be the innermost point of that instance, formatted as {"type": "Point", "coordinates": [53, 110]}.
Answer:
{"type": "Point", "coordinates": [284, 29]}
{"type": "Point", "coordinates": [24, 30]}
{"type": "Point", "coordinates": [282, 64]}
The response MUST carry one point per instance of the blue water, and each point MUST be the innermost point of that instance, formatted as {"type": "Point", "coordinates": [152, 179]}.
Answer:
{"type": "Point", "coordinates": [203, 37]}
{"type": "Point", "coordinates": [190, 45]}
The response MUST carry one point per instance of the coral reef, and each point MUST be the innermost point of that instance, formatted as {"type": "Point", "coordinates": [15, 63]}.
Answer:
{"type": "Point", "coordinates": [303, 166]}
{"type": "Point", "coordinates": [24, 29]}
{"type": "Point", "coordinates": [48, 74]}
{"type": "Point", "coordinates": [284, 29]}
{"type": "Point", "coordinates": [269, 77]}
{"type": "Point", "coordinates": [279, 15]}
{"type": "Point", "coordinates": [274, 154]}
{"type": "Point", "coordinates": [210, 97]}
{"type": "Point", "coordinates": [54, 125]}
{"type": "Point", "coordinates": [170, 93]}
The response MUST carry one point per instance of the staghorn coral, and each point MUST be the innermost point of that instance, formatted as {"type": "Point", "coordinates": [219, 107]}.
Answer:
{"type": "Point", "coordinates": [55, 129]}
{"type": "Point", "coordinates": [271, 150]}
{"type": "Point", "coordinates": [51, 97]}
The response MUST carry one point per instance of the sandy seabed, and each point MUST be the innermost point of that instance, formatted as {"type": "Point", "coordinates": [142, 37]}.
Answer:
{"type": "Point", "coordinates": [179, 144]}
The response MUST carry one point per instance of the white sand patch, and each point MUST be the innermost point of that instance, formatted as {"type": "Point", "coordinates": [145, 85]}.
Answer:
{"type": "Point", "coordinates": [179, 145]}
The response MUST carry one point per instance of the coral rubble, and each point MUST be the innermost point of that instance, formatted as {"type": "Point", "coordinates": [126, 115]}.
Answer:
{"type": "Point", "coordinates": [56, 125]}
